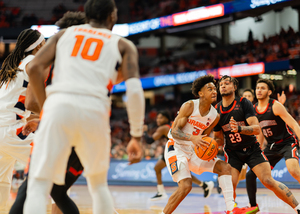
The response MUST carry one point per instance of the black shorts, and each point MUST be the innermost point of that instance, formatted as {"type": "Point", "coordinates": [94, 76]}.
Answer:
{"type": "Point", "coordinates": [74, 167]}
{"type": "Point", "coordinates": [251, 155]}
{"type": "Point", "coordinates": [286, 149]}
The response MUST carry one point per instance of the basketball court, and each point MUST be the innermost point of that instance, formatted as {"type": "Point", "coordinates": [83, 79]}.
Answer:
{"type": "Point", "coordinates": [136, 200]}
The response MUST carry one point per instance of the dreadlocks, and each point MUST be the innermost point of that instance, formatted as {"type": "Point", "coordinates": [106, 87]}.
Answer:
{"type": "Point", "coordinates": [12, 61]}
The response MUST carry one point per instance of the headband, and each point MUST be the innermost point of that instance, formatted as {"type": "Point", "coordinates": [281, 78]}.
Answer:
{"type": "Point", "coordinates": [36, 43]}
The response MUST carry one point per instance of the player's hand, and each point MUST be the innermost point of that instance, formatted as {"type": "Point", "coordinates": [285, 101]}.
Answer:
{"type": "Point", "coordinates": [134, 150]}
{"type": "Point", "coordinates": [199, 142]}
{"type": "Point", "coordinates": [281, 98]}
{"type": "Point", "coordinates": [233, 125]}
{"type": "Point", "coordinates": [30, 126]}
{"type": "Point", "coordinates": [145, 128]}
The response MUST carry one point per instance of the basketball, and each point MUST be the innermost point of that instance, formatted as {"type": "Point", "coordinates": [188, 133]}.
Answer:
{"type": "Point", "coordinates": [210, 152]}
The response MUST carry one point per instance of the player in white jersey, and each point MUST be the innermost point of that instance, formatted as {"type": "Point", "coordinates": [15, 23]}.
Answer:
{"type": "Point", "coordinates": [76, 112]}
{"type": "Point", "coordinates": [196, 118]}
{"type": "Point", "coordinates": [13, 115]}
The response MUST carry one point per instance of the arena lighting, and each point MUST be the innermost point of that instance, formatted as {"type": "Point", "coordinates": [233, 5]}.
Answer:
{"type": "Point", "coordinates": [292, 72]}
{"type": "Point", "coordinates": [260, 3]}
{"type": "Point", "coordinates": [242, 70]}
{"type": "Point", "coordinates": [271, 76]}
{"type": "Point", "coordinates": [198, 14]}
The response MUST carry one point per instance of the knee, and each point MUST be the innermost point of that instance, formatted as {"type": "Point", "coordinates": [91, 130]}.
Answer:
{"type": "Point", "coordinates": [157, 169]}
{"type": "Point", "coordinates": [225, 169]}
{"type": "Point", "coordinates": [186, 186]}
{"type": "Point", "coordinates": [294, 172]}
{"type": "Point", "coordinates": [250, 175]}
{"type": "Point", "coordinates": [268, 182]}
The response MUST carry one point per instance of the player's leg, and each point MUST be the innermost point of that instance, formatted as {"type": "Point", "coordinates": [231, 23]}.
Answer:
{"type": "Point", "coordinates": [6, 171]}
{"type": "Point", "coordinates": [251, 187]}
{"type": "Point", "coordinates": [292, 159]}
{"type": "Point", "coordinates": [263, 172]}
{"type": "Point", "coordinates": [161, 193]}
{"type": "Point", "coordinates": [17, 207]}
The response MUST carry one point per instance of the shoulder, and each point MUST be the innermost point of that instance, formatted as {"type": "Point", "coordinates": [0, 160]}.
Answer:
{"type": "Point", "coordinates": [126, 45]}
{"type": "Point", "coordinates": [187, 108]}
{"type": "Point", "coordinates": [218, 105]}
{"type": "Point", "coordinates": [278, 108]}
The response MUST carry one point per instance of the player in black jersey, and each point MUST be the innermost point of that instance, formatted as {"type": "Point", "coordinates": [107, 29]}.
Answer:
{"type": "Point", "coordinates": [275, 123]}
{"type": "Point", "coordinates": [239, 125]}
{"type": "Point", "coordinates": [63, 203]}
{"type": "Point", "coordinates": [163, 121]}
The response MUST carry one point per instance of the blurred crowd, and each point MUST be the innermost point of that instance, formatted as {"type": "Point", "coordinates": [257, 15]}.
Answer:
{"type": "Point", "coordinates": [8, 15]}
{"type": "Point", "coordinates": [284, 45]}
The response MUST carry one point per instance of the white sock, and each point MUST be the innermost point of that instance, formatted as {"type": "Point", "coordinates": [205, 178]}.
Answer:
{"type": "Point", "coordinates": [297, 208]}
{"type": "Point", "coordinates": [162, 213]}
{"type": "Point", "coordinates": [4, 194]}
{"type": "Point", "coordinates": [160, 188]}
{"type": "Point", "coordinates": [102, 199]}
{"type": "Point", "coordinates": [225, 182]}
{"type": "Point", "coordinates": [37, 196]}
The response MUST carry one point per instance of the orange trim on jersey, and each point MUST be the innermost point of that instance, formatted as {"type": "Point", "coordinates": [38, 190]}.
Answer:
{"type": "Point", "coordinates": [74, 171]}
{"type": "Point", "coordinates": [109, 85]}
{"type": "Point", "coordinates": [241, 99]}
{"type": "Point", "coordinates": [263, 111]}
{"type": "Point", "coordinates": [41, 114]}
{"type": "Point", "coordinates": [171, 142]}
{"type": "Point", "coordinates": [19, 130]}
{"type": "Point", "coordinates": [21, 99]}
{"type": "Point", "coordinates": [225, 112]}
{"type": "Point", "coordinates": [263, 154]}
{"type": "Point", "coordinates": [294, 153]}
{"type": "Point", "coordinates": [7, 84]}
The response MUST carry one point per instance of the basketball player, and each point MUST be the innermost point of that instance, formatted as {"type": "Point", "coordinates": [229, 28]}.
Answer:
{"type": "Point", "coordinates": [274, 121]}
{"type": "Point", "coordinates": [74, 169]}
{"type": "Point", "coordinates": [163, 120]}
{"type": "Point", "coordinates": [13, 114]}
{"type": "Point", "coordinates": [77, 108]}
{"type": "Point", "coordinates": [249, 94]}
{"type": "Point", "coordinates": [196, 118]}
{"type": "Point", "coordinates": [239, 125]}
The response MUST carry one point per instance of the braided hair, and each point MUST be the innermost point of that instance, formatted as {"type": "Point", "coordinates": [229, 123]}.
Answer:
{"type": "Point", "coordinates": [10, 66]}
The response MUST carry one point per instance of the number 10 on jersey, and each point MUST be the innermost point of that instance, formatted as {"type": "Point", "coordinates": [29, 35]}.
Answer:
{"type": "Point", "coordinates": [87, 45]}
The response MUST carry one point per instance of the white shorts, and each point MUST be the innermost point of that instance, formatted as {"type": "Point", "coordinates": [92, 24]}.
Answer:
{"type": "Point", "coordinates": [181, 160]}
{"type": "Point", "coordinates": [71, 120]}
{"type": "Point", "coordinates": [13, 147]}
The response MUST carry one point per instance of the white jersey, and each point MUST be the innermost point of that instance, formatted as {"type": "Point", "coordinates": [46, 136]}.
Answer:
{"type": "Point", "coordinates": [86, 62]}
{"type": "Point", "coordinates": [196, 123]}
{"type": "Point", "coordinates": [12, 97]}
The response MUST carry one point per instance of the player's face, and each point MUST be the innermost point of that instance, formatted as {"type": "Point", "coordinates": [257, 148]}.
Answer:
{"type": "Point", "coordinates": [226, 87]}
{"type": "Point", "coordinates": [161, 120]}
{"type": "Point", "coordinates": [210, 92]}
{"type": "Point", "coordinates": [262, 91]}
{"type": "Point", "coordinates": [248, 95]}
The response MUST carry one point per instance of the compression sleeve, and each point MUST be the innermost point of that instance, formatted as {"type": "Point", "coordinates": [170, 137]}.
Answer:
{"type": "Point", "coordinates": [148, 139]}
{"type": "Point", "coordinates": [135, 106]}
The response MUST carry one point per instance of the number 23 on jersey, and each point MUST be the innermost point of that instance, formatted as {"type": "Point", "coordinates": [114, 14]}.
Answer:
{"type": "Point", "coordinates": [85, 53]}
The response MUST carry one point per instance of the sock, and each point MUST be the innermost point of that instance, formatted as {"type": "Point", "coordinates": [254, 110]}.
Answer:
{"type": "Point", "coordinates": [160, 188]}
{"type": "Point", "coordinates": [162, 213]}
{"type": "Point", "coordinates": [102, 199]}
{"type": "Point", "coordinates": [251, 187]}
{"type": "Point", "coordinates": [37, 196]}
{"type": "Point", "coordinates": [225, 182]}
{"type": "Point", "coordinates": [297, 208]}
{"type": "Point", "coordinates": [204, 185]}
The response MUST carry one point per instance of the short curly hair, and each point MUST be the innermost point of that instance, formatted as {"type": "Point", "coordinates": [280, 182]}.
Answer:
{"type": "Point", "coordinates": [231, 79]}
{"type": "Point", "coordinates": [268, 82]}
{"type": "Point", "coordinates": [71, 18]}
{"type": "Point", "coordinates": [200, 82]}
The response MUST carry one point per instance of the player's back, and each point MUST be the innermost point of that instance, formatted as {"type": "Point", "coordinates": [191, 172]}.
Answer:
{"type": "Point", "coordinates": [86, 62]}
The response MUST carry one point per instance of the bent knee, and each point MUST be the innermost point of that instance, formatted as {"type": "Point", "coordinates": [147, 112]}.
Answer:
{"type": "Point", "coordinates": [268, 182]}
{"type": "Point", "coordinates": [185, 185]}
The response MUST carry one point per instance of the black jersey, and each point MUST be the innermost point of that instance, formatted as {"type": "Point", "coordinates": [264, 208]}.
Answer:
{"type": "Point", "coordinates": [240, 109]}
{"type": "Point", "coordinates": [274, 128]}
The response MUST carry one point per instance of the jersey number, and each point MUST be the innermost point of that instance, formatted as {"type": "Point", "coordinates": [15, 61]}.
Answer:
{"type": "Point", "coordinates": [196, 132]}
{"type": "Point", "coordinates": [267, 132]}
{"type": "Point", "coordinates": [235, 138]}
{"type": "Point", "coordinates": [87, 45]}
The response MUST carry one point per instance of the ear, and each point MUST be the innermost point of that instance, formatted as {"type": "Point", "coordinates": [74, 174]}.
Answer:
{"type": "Point", "coordinates": [200, 93]}
{"type": "Point", "coordinates": [269, 93]}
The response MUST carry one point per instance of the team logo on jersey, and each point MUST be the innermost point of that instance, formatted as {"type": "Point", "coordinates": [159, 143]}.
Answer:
{"type": "Point", "coordinates": [237, 107]}
{"type": "Point", "coordinates": [197, 124]}
{"type": "Point", "coordinates": [266, 123]}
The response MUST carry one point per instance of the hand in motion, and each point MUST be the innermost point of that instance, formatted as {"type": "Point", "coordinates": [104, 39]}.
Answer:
{"type": "Point", "coordinates": [199, 142]}
{"type": "Point", "coordinates": [134, 150]}
{"type": "Point", "coordinates": [233, 125]}
{"type": "Point", "coordinates": [281, 98]}
{"type": "Point", "coordinates": [30, 126]}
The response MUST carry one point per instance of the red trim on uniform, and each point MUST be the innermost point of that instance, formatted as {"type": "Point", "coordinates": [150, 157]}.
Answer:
{"type": "Point", "coordinates": [20, 116]}
{"type": "Point", "coordinates": [21, 99]}
{"type": "Point", "coordinates": [19, 130]}
{"type": "Point", "coordinates": [226, 156]}
{"type": "Point", "coordinates": [263, 111]}
{"type": "Point", "coordinates": [216, 106]}
{"type": "Point", "coordinates": [273, 101]}
{"type": "Point", "coordinates": [109, 85]}
{"type": "Point", "coordinates": [263, 154]}
{"type": "Point", "coordinates": [168, 126]}
{"type": "Point", "coordinates": [170, 142]}
{"type": "Point", "coordinates": [41, 113]}
{"type": "Point", "coordinates": [241, 99]}
{"type": "Point", "coordinates": [74, 171]}
{"type": "Point", "coordinates": [272, 167]}
{"type": "Point", "coordinates": [289, 131]}
{"type": "Point", "coordinates": [225, 112]}
{"type": "Point", "coordinates": [294, 155]}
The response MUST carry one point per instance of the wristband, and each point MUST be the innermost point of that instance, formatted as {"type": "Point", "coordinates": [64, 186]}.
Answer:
{"type": "Point", "coordinates": [239, 128]}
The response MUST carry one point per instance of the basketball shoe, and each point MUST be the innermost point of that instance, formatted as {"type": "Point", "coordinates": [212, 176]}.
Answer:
{"type": "Point", "coordinates": [159, 196]}
{"type": "Point", "coordinates": [208, 187]}
{"type": "Point", "coordinates": [244, 210]}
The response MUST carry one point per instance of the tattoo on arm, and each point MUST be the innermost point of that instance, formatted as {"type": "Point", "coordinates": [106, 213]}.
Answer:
{"type": "Point", "coordinates": [179, 134]}
{"type": "Point", "coordinates": [247, 130]}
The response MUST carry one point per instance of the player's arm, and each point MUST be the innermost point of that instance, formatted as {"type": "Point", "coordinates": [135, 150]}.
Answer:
{"type": "Point", "coordinates": [261, 140]}
{"type": "Point", "coordinates": [210, 128]}
{"type": "Point", "coordinates": [279, 110]}
{"type": "Point", "coordinates": [180, 121]}
{"type": "Point", "coordinates": [39, 65]}
{"type": "Point", "coordinates": [135, 105]}
{"type": "Point", "coordinates": [160, 132]}
{"type": "Point", "coordinates": [219, 137]}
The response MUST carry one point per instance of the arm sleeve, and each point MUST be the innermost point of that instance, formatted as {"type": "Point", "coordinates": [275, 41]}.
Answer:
{"type": "Point", "coordinates": [248, 108]}
{"type": "Point", "coordinates": [148, 139]}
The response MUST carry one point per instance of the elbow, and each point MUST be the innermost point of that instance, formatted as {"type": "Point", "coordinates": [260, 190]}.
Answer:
{"type": "Point", "coordinates": [256, 131]}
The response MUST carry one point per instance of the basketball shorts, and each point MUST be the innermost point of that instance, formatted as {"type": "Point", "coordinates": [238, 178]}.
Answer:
{"type": "Point", "coordinates": [14, 146]}
{"type": "Point", "coordinates": [286, 149]}
{"type": "Point", "coordinates": [71, 120]}
{"type": "Point", "coordinates": [251, 155]}
{"type": "Point", "coordinates": [181, 160]}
